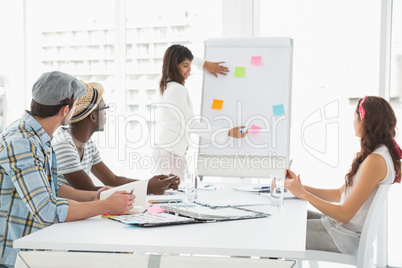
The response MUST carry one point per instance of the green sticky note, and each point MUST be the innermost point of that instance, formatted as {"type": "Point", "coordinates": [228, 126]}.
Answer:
{"type": "Point", "coordinates": [240, 71]}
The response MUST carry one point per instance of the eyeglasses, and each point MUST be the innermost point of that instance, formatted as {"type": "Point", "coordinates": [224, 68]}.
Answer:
{"type": "Point", "coordinates": [103, 108]}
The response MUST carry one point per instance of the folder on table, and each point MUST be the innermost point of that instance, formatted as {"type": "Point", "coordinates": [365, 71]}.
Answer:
{"type": "Point", "coordinates": [198, 214]}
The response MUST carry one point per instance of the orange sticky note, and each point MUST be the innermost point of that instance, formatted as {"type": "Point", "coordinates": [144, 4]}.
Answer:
{"type": "Point", "coordinates": [217, 104]}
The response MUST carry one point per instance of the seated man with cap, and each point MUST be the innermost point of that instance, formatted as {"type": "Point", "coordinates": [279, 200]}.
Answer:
{"type": "Point", "coordinates": [30, 197]}
{"type": "Point", "coordinates": [78, 156]}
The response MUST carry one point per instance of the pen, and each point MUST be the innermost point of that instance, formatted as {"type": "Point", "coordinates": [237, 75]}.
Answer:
{"type": "Point", "coordinates": [201, 204]}
{"type": "Point", "coordinates": [287, 171]}
{"type": "Point", "coordinates": [132, 191]}
{"type": "Point", "coordinates": [243, 130]}
{"type": "Point", "coordinates": [168, 178]}
{"type": "Point", "coordinates": [262, 188]}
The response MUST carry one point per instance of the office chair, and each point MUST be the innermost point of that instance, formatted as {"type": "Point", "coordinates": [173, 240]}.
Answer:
{"type": "Point", "coordinates": [364, 257]}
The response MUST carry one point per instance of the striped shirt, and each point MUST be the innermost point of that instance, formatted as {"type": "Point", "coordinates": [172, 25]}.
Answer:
{"type": "Point", "coordinates": [68, 159]}
{"type": "Point", "coordinates": [28, 184]}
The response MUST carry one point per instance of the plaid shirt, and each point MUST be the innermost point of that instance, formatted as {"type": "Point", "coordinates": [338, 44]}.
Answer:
{"type": "Point", "coordinates": [28, 184]}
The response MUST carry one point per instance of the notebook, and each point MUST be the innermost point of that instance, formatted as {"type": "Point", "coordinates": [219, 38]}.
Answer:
{"type": "Point", "coordinates": [139, 189]}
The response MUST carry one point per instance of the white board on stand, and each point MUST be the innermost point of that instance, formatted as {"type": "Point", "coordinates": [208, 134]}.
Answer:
{"type": "Point", "coordinates": [256, 93]}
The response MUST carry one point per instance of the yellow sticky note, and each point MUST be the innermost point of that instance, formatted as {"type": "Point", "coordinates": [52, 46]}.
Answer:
{"type": "Point", "coordinates": [217, 104]}
{"type": "Point", "coordinates": [240, 71]}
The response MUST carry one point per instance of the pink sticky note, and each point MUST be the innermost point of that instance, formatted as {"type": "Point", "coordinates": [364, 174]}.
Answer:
{"type": "Point", "coordinates": [155, 210]}
{"type": "Point", "coordinates": [254, 129]}
{"type": "Point", "coordinates": [256, 60]}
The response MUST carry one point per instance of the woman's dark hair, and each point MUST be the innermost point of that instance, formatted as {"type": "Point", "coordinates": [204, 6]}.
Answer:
{"type": "Point", "coordinates": [45, 111]}
{"type": "Point", "coordinates": [379, 124]}
{"type": "Point", "coordinates": [174, 55]}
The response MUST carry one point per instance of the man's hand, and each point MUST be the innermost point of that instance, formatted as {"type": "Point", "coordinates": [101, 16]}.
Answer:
{"type": "Point", "coordinates": [159, 184]}
{"type": "Point", "coordinates": [120, 202]}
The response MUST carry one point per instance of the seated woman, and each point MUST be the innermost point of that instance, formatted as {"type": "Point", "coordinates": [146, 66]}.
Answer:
{"type": "Point", "coordinates": [344, 210]}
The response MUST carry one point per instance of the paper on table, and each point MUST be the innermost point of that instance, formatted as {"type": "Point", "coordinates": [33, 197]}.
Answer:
{"type": "Point", "coordinates": [235, 199]}
{"type": "Point", "coordinates": [139, 189]}
{"type": "Point", "coordinates": [223, 212]}
{"type": "Point", "coordinates": [164, 198]}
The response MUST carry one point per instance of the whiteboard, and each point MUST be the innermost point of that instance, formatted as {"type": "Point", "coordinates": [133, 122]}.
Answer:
{"type": "Point", "coordinates": [256, 93]}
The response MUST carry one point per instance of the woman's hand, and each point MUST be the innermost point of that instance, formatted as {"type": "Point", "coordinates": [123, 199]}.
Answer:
{"type": "Point", "coordinates": [294, 185]}
{"type": "Point", "coordinates": [235, 132]}
{"type": "Point", "coordinates": [215, 68]}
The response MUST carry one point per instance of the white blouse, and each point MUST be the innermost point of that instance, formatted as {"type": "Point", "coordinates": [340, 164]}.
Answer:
{"type": "Point", "coordinates": [347, 235]}
{"type": "Point", "coordinates": [175, 119]}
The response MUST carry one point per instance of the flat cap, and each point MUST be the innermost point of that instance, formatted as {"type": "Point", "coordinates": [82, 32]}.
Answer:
{"type": "Point", "coordinates": [54, 87]}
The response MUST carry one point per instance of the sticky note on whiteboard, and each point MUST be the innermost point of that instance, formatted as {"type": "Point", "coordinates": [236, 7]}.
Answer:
{"type": "Point", "coordinates": [278, 110]}
{"type": "Point", "coordinates": [217, 104]}
{"type": "Point", "coordinates": [256, 60]}
{"type": "Point", "coordinates": [240, 71]}
{"type": "Point", "coordinates": [254, 129]}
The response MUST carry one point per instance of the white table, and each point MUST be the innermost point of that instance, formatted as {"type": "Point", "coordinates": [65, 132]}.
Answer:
{"type": "Point", "coordinates": [281, 235]}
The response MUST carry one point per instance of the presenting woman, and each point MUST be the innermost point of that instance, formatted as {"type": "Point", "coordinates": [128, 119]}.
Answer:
{"type": "Point", "coordinates": [344, 210]}
{"type": "Point", "coordinates": [175, 117]}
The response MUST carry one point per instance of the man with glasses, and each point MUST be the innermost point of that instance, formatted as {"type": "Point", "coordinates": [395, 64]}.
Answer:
{"type": "Point", "coordinates": [30, 196]}
{"type": "Point", "coordinates": [78, 156]}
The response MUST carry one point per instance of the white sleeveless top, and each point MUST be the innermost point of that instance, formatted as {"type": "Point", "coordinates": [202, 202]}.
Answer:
{"type": "Point", "coordinates": [347, 235]}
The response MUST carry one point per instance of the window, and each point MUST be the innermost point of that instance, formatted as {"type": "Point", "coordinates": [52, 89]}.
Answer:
{"type": "Point", "coordinates": [335, 61]}
{"type": "Point", "coordinates": [82, 41]}
{"type": "Point", "coordinates": [152, 26]}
